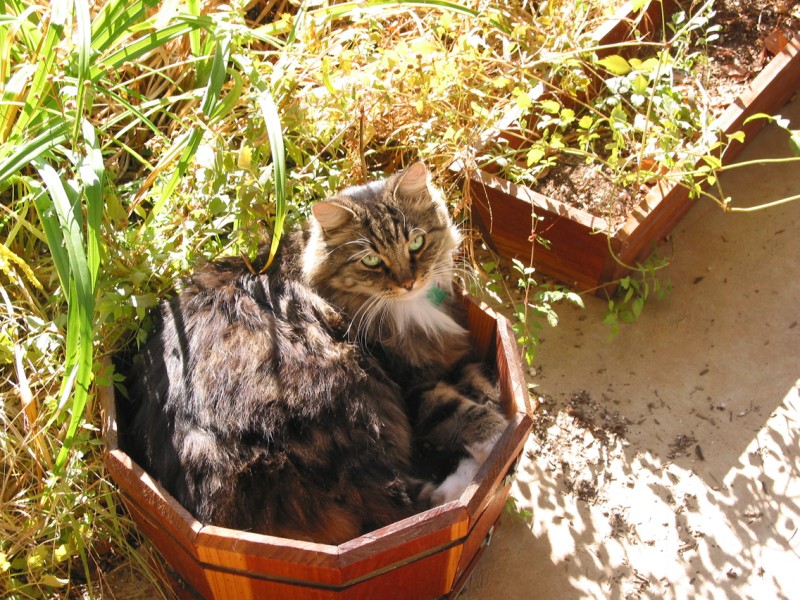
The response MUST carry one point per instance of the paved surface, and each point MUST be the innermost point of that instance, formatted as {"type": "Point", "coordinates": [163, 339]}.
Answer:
{"type": "Point", "coordinates": [698, 496]}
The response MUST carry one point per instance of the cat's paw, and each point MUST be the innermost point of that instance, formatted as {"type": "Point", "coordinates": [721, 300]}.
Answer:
{"type": "Point", "coordinates": [480, 450]}
{"type": "Point", "coordinates": [455, 484]}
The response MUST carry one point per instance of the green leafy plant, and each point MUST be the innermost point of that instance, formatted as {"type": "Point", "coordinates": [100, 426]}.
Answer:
{"type": "Point", "coordinates": [533, 303]}
{"type": "Point", "coordinates": [67, 127]}
{"type": "Point", "coordinates": [634, 119]}
{"type": "Point", "coordinates": [634, 291]}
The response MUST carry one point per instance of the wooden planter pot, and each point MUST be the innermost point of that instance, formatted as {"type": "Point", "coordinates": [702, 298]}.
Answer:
{"type": "Point", "coordinates": [429, 555]}
{"type": "Point", "coordinates": [584, 250]}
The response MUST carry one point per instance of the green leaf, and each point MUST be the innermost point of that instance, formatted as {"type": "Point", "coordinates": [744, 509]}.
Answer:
{"type": "Point", "coordinates": [535, 155]}
{"type": "Point", "coordinates": [115, 20]}
{"type": "Point", "coordinates": [67, 213]}
{"type": "Point", "coordinates": [712, 161]}
{"type": "Point", "coordinates": [794, 141]}
{"type": "Point", "coordinates": [738, 136]}
{"type": "Point", "coordinates": [649, 65]}
{"type": "Point", "coordinates": [524, 100]}
{"type": "Point", "coordinates": [92, 171]}
{"type": "Point", "coordinates": [636, 307]}
{"type": "Point", "coordinates": [550, 106]}
{"type": "Point", "coordinates": [194, 136]}
{"type": "Point", "coordinates": [51, 580]}
{"type": "Point", "coordinates": [615, 64]}
{"type": "Point", "coordinates": [53, 132]}
{"type": "Point", "coordinates": [45, 57]}
{"type": "Point", "coordinates": [147, 43]}
{"type": "Point", "coordinates": [640, 85]}
{"type": "Point", "coordinates": [275, 133]}
{"type": "Point", "coordinates": [758, 116]}
{"type": "Point", "coordinates": [619, 117]}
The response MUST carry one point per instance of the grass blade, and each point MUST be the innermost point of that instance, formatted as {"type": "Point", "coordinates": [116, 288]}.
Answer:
{"type": "Point", "coordinates": [45, 57]}
{"type": "Point", "coordinates": [92, 171]}
{"type": "Point", "coordinates": [115, 20]}
{"type": "Point", "coordinates": [208, 105]}
{"type": "Point", "coordinates": [80, 303]}
{"type": "Point", "coordinates": [54, 133]}
{"type": "Point", "coordinates": [275, 133]}
{"type": "Point", "coordinates": [11, 98]}
{"type": "Point", "coordinates": [147, 43]}
{"type": "Point", "coordinates": [272, 121]}
{"type": "Point", "coordinates": [84, 35]}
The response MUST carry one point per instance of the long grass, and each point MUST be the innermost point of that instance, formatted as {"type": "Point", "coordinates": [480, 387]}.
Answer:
{"type": "Point", "coordinates": [139, 138]}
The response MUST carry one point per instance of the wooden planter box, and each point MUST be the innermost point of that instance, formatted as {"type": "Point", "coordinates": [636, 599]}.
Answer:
{"type": "Point", "coordinates": [584, 250]}
{"type": "Point", "coordinates": [429, 555]}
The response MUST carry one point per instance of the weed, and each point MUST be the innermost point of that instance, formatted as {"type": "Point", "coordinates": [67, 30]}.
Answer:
{"type": "Point", "coordinates": [634, 291]}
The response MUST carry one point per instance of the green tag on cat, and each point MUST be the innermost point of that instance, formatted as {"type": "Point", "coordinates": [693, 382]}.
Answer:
{"type": "Point", "coordinates": [436, 295]}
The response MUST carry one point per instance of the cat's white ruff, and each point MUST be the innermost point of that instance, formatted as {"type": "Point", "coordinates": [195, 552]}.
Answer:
{"type": "Point", "coordinates": [417, 309]}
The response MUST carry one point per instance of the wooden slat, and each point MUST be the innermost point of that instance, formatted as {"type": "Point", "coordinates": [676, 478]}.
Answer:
{"type": "Point", "coordinates": [244, 586]}
{"type": "Point", "coordinates": [772, 88]}
{"type": "Point", "coordinates": [666, 205]}
{"type": "Point", "coordinates": [648, 22]}
{"type": "Point", "coordinates": [498, 465]}
{"type": "Point", "coordinates": [401, 542]}
{"type": "Point", "coordinates": [510, 374]}
{"type": "Point", "coordinates": [225, 549]}
{"type": "Point", "coordinates": [503, 212]}
{"type": "Point", "coordinates": [429, 577]}
{"type": "Point", "coordinates": [482, 325]}
{"type": "Point", "coordinates": [150, 496]}
{"type": "Point", "coordinates": [475, 542]}
{"type": "Point", "coordinates": [181, 558]}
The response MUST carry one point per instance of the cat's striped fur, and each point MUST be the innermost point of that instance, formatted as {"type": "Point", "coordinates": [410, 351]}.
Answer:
{"type": "Point", "coordinates": [311, 401]}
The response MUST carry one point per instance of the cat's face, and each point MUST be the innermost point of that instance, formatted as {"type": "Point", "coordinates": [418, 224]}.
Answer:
{"type": "Point", "coordinates": [391, 239]}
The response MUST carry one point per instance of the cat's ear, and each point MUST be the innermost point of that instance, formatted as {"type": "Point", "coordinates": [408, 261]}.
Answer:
{"type": "Point", "coordinates": [412, 182]}
{"type": "Point", "coordinates": [331, 214]}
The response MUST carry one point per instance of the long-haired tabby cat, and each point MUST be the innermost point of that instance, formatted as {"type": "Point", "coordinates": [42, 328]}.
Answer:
{"type": "Point", "coordinates": [331, 394]}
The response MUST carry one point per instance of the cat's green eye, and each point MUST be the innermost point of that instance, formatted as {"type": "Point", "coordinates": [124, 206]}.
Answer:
{"type": "Point", "coordinates": [416, 243]}
{"type": "Point", "coordinates": [371, 260]}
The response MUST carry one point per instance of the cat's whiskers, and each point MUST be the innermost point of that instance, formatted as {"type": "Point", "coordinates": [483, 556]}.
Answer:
{"type": "Point", "coordinates": [364, 317]}
{"type": "Point", "coordinates": [362, 241]}
{"type": "Point", "coordinates": [384, 311]}
{"type": "Point", "coordinates": [441, 273]}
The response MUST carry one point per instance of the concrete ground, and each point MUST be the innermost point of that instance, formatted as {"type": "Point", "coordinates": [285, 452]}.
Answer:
{"type": "Point", "coordinates": [666, 463]}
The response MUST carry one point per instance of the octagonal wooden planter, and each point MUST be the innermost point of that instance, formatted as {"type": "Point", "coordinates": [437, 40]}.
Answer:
{"type": "Point", "coordinates": [585, 251]}
{"type": "Point", "coordinates": [429, 555]}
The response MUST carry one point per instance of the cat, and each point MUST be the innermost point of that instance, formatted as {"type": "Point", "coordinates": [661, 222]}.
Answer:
{"type": "Point", "coordinates": [329, 394]}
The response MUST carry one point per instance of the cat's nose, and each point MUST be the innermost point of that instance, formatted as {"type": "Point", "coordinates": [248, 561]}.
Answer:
{"type": "Point", "coordinates": [408, 284]}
